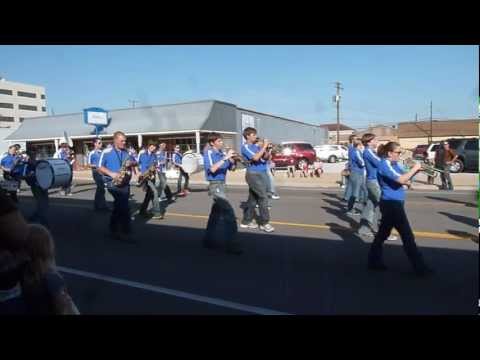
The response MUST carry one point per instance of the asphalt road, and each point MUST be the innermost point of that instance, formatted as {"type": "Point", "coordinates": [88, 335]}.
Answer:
{"type": "Point", "coordinates": [312, 264]}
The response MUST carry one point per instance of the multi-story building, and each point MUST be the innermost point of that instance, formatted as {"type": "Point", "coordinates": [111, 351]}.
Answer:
{"type": "Point", "coordinates": [19, 101]}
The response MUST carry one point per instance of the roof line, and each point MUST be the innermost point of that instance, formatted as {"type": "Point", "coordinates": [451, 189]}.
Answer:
{"type": "Point", "coordinates": [278, 117]}
{"type": "Point", "coordinates": [139, 107]}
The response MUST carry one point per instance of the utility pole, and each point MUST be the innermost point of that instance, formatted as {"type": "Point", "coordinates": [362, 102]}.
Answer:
{"type": "Point", "coordinates": [337, 101]}
{"type": "Point", "coordinates": [431, 124]}
{"type": "Point", "coordinates": [416, 117]}
{"type": "Point", "coordinates": [133, 102]}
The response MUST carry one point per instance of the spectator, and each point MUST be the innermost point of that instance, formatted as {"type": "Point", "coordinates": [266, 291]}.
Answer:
{"type": "Point", "coordinates": [291, 170]}
{"type": "Point", "coordinates": [317, 167]}
{"type": "Point", "coordinates": [11, 299]}
{"type": "Point", "coordinates": [444, 158]}
{"type": "Point", "coordinates": [43, 287]}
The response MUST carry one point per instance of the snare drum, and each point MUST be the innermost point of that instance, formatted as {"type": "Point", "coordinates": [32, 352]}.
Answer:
{"type": "Point", "coordinates": [53, 173]}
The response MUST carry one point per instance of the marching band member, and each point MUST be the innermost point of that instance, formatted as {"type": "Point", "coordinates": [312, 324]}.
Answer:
{"type": "Point", "coordinates": [93, 162]}
{"type": "Point", "coordinates": [115, 163]}
{"type": "Point", "coordinates": [392, 179]}
{"type": "Point", "coordinates": [40, 214]}
{"type": "Point", "coordinates": [257, 180]}
{"type": "Point", "coordinates": [369, 219]}
{"type": "Point", "coordinates": [64, 154]}
{"type": "Point", "coordinates": [7, 164]}
{"type": "Point", "coordinates": [216, 166]}
{"type": "Point", "coordinates": [147, 158]}
{"type": "Point", "coordinates": [163, 189]}
{"type": "Point", "coordinates": [348, 189]}
{"type": "Point", "coordinates": [357, 174]}
{"type": "Point", "coordinates": [177, 161]}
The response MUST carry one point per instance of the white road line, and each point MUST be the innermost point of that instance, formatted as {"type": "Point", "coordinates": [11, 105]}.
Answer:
{"type": "Point", "coordinates": [171, 292]}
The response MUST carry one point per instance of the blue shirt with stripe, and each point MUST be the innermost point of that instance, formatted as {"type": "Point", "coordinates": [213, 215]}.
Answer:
{"type": "Point", "coordinates": [146, 159]}
{"type": "Point", "coordinates": [177, 158]}
{"type": "Point", "coordinates": [7, 161]}
{"type": "Point", "coordinates": [357, 164]}
{"type": "Point", "coordinates": [161, 161]}
{"type": "Point", "coordinates": [248, 152]}
{"type": "Point", "coordinates": [212, 156]}
{"type": "Point", "coordinates": [113, 159]}
{"type": "Point", "coordinates": [388, 174]}
{"type": "Point", "coordinates": [372, 160]}
{"type": "Point", "coordinates": [94, 157]}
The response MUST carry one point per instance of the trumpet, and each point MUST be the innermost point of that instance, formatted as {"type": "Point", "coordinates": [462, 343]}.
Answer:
{"type": "Point", "coordinates": [237, 158]}
{"type": "Point", "coordinates": [427, 168]}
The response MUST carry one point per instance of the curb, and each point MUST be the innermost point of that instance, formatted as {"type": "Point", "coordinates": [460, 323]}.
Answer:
{"type": "Point", "coordinates": [313, 186]}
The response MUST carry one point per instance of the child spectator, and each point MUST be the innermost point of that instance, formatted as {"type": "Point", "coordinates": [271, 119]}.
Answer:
{"type": "Point", "coordinates": [317, 167]}
{"type": "Point", "coordinates": [43, 288]}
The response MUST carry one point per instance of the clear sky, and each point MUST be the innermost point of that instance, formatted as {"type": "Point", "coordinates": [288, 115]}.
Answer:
{"type": "Point", "coordinates": [382, 84]}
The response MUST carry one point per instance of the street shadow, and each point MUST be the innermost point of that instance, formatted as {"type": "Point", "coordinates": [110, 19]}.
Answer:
{"type": "Point", "coordinates": [199, 189]}
{"type": "Point", "coordinates": [295, 273]}
{"type": "Point", "coordinates": [462, 219]}
{"type": "Point", "coordinates": [465, 234]}
{"type": "Point", "coordinates": [468, 204]}
{"type": "Point", "coordinates": [353, 225]}
{"type": "Point", "coordinates": [334, 196]}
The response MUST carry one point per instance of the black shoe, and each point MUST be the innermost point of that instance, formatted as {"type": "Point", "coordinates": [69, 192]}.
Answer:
{"type": "Point", "coordinates": [377, 267]}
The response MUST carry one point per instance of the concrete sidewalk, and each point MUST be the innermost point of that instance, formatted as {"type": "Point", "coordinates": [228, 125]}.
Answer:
{"type": "Point", "coordinates": [462, 181]}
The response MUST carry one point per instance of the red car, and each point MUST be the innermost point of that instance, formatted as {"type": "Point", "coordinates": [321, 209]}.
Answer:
{"type": "Point", "coordinates": [294, 153]}
{"type": "Point", "coordinates": [420, 152]}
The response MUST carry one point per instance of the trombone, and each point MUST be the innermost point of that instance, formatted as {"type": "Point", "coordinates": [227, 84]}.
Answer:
{"type": "Point", "coordinates": [427, 168]}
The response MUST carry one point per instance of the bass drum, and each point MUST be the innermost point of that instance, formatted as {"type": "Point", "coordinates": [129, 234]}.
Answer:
{"type": "Point", "coordinates": [53, 173]}
{"type": "Point", "coordinates": [192, 163]}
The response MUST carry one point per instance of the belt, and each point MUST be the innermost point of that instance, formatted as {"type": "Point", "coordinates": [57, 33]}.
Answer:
{"type": "Point", "coordinates": [217, 181]}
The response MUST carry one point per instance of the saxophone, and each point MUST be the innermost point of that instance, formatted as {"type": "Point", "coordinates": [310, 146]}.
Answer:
{"type": "Point", "coordinates": [125, 175]}
{"type": "Point", "coordinates": [149, 174]}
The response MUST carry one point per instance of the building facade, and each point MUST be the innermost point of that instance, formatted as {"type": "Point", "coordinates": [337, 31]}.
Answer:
{"type": "Point", "coordinates": [344, 133]}
{"type": "Point", "coordinates": [185, 124]}
{"type": "Point", "coordinates": [19, 101]}
{"type": "Point", "coordinates": [414, 133]}
{"type": "Point", "coordinates": [383, 133]}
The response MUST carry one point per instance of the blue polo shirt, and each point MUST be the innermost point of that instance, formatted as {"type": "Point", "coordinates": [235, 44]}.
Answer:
{"type": "Point", "coordinates": [372, 160]}
{"type": "Point", "coordinates": [146, 159]}
{"type": "Point", "coordinates": [357, 164]}
{"type": "Point", "coordinates": [212, 156]}
{"type": "Point", "coordinates": [388, 174]}
{"type": "Point", "coordinates": [94, 157]}
{"type": "Point", "coordinates": [161, 161]}
{"type": "Point", "coordinates": [177, 158]}
{"type": "Point", "coordinates": [113, 159]}
{"type": "Point", "coordinates": [7, 161]}
{"type": "Point", "coordinates": [248, 152]}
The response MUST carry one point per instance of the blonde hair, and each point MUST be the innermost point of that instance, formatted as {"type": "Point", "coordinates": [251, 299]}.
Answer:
{"type": "Point", "coordinates": [41, 250]}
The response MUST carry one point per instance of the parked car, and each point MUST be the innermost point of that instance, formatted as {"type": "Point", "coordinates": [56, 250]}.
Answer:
{"type": "Point", "coordinates": [294, 153]}
{"type": "Point", "coordinates": [331, 153]}
{"type": "Point", "coordinates": [431, 150]}
{"type": "Point", "coordinates": [467, 151]}
{"type": "Point", "coordinates": [420, 152]}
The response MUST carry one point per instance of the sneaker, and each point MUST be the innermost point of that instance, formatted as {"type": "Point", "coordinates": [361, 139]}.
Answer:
{"type": "Point", "coordinates": [252, 225]}
{"type": "Point", "coordinates": [267, 228]}
{"type": "Point", "coordinates": [69, 194]}
{"type": "Point", "coordinates": [158, 217]}
{"type": "Point", "coordinates": [181, 194]}
{"type": "Point", "coordinates": [366, 233]}
{"type": "Point", "coordinates": [353, 213]}
{"type": "Point", "coordinates": [392, 238]}
{"type": "Point", "coordinates": [275, 197]}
